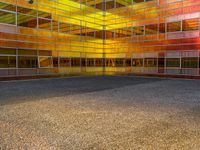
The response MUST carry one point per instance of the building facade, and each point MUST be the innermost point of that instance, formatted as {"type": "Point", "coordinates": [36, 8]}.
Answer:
{"type": "Point", "coordinates": [50, 37]}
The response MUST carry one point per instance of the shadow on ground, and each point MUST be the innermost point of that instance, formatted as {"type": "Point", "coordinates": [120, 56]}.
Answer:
{"type": "Point", "coordinates": [17, 91]}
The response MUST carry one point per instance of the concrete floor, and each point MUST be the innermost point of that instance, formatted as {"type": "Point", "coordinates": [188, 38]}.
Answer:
{"type": "Point", "coordinates": [100, 113]}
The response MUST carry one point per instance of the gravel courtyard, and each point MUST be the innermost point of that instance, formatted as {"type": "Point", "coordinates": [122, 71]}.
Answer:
{"type": "Point", "coordinates": [102, 113]}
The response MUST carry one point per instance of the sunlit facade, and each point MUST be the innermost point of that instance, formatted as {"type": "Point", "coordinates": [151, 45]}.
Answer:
{"type": "Point", "coordinates": [55, 37]}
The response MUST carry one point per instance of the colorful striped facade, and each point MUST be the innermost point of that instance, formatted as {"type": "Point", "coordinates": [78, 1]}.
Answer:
{"type": "Point", "coordinates": [48, 37]}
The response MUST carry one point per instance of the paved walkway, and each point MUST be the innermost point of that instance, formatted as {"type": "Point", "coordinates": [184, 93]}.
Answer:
{"type": "Point", "coordinates": [100, 113]}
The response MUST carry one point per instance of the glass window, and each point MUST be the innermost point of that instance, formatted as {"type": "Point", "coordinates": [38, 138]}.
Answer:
{"type": "Point", "coordinates": [109, 34]}
{"type": "Point", "coordinates": [45, 53]}
{"type": "Point", "coordinates": [91, 34]}
{"type": "Point", "coordinates": [3, 61]}
{"type": "Point", "coordinates": [98, 62]}
{"type": "Point", "coordinates": [44, 15]}
{"type": "Point", "coordinates": [172, 62]}
{"type": "Point", "coordinates": [83, 62]}
{"type": "Point", "coordinates": [191, 24]}
{"type": "Point", "coordinates": [120, 32]}
{"type": "Point", "coordinates": [129, 31]}
{"type": "Point", "coordinates": [128, 62]}
{"type": "Point", "coordinates": [138, 1]}
{"type": "Point", "coordinates": [11, 61]}
{"type": "Point", "coordinates": [189, 62]}
{"type": "Point", "coordinates": [64, 62]}
{"type": "Point", "coordinates": [110, 62]}
{"type": "Point", "coordinates": [26, 21]}
{"type": "Point", "coordinates": [44, 24]}
{"type": "Point", "coordinates": [64, 27]}
{"type": "Point", "coordinates": [137, 62]}
{"type": "Point", "coordinates": [27, 62]}
{"type": "Point", "coordinates": [27, 11]}
{"type": "Point", "coordinates": [8, 7]}
{"type": "Point", "coordinates": [174, 26]}
{"type": "Point", "coordinates": [162, 28]}
{"type": "Point", "coordinates": [138, 30]}
{"type": "Point", "coordinates": [55, 61]}
{"type": "Point", "coordinates": [75, 29]}
{"type": "Point", "coordinates": [83, 30]}
{"type": "Point", "coordinates": [151, 29]}
{"type": "Point", "coordinates": [150, 62]}
{"type": "Point", "coordinates": [7, 62]}
{"type": "Point", "coordinates": [27, 52]}
{"type": "Point", "coordinates": [7, 51]}
{"type": "Point", "coordinates": [120, 62]}
{"type": "Point", "coordinates": [45, 62]}
{"type": "Point", "coordinates": [99, 34]}
{"type": "Point", "coordinates": [75, 62]}
{"type": "Point", "coordinates": [7, 17]}
{"type": "Point", "coordinates": [90, 62]}
{"type": "Point", "coordinates": [110, 4]}
{"type": "Point", "coordinates": [161, 62]}
{"type": "Point", "coordinates": [55, 26]}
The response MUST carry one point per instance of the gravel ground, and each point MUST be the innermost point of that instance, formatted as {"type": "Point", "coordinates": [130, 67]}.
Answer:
{"type": "Point", "coordinates": [100, 113]}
